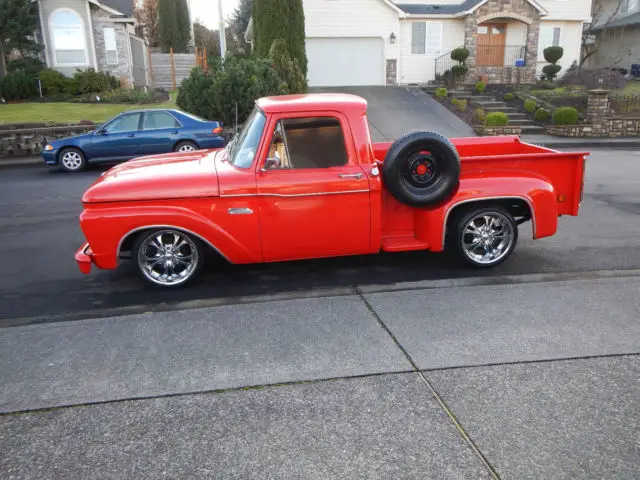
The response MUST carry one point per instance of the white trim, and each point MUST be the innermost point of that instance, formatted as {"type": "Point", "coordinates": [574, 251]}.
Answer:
{"type": "Point", "coordinates": [401, 13]}
{"type": "Point", "coordinates": [45, 40]}
{"type": "Point", "coordinates": [93, 43]}
{"type": "Point", "coordinates": [84, 36]}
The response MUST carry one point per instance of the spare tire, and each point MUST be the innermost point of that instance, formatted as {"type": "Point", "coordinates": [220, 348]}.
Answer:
{"type": "Point", "coordinates": [421, 169]}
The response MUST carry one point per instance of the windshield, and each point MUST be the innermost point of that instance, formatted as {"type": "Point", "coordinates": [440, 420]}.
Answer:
{"type": "Point", "coordinates": [243, 147]}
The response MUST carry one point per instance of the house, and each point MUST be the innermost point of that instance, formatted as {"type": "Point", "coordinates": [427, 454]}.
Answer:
{"type": "Point", "coordinates": [100, 34]}
{"type": "Point", "coordinates": [615, 33]}
{"type": "Point", "coordinates": [376, 42]}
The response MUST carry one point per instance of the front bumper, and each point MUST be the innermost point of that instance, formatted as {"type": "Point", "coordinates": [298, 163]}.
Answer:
{"type": "Point", "coordinates": [84, 258]}
{"type": "Point", "coordinates": [50, 157]}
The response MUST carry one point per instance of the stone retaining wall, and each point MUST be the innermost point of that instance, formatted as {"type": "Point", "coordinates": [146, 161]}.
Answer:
{"type": "Point", "coordinates": [605, 127]}
{"type": "Point", "coordinates": [30, 141]}
{"type": "Point", "coordinates": [492, 131]}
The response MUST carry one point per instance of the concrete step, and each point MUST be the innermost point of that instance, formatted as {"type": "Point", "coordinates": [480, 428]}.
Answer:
{"type": "Point", "coordinates": [522, 121]}
{"type": "Point", "coordinates": [489, 104]}
{"type": "Point", "coordinates": [533, 129]}
{"type": "Point", "coordinates": [516, 115]}
{"type": "Point", "coordinates": [499, 109]}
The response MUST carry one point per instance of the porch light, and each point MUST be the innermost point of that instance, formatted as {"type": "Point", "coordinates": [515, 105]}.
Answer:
{"type": "Point", "coordinates": [392, 38]}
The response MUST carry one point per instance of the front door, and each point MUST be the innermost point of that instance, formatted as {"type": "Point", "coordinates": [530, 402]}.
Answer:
{"type": "Point", "coordinates": [118, 139]}
{"type": "Point", "coordinates": [314, 197]}
{"type": "Point", "coordinates": [492, 38]}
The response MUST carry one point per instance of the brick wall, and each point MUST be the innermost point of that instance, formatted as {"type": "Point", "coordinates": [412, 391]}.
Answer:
{"type": "Point", "coordinates": [29, 141]}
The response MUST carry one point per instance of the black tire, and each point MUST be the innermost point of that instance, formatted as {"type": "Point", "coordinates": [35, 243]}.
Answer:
{"type": "Point", "coordinates": [71, 160]}
{"type": "Point", "coordinates": [421, 169]}
{"type": "Point", "coordinates": [185, 145]}
{"type": "Point", "coordinates": [183, 275]}
{"type": "Point", "coordinates": [459, 236]}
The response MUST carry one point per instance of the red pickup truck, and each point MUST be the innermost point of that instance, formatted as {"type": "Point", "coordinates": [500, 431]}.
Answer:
{"type": "Point", "coordinates": [303, 180]}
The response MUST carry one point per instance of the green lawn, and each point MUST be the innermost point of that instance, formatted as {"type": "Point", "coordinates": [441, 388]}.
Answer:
{"type": "Point", "coordinates": [35, 112]}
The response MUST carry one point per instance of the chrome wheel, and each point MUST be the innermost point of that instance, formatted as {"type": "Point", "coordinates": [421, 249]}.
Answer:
{"type": "Point", "coordinates": [488, 237]}
{"type": "Point", "coordinates": [186, 147]}
{"type": "Point", "coordinates": [168, 257]}
{"type": "Point", "coordinates": [72, 160]}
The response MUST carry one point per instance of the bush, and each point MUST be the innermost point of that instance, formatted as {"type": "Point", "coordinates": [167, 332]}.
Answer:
{"type": "Point", "coordinates": [541, 115]}
{"type": "Point", "coordinates": [90, 81]}
{"type": "Point", "coordinates": [462, 105]}
{"type": "Point", "coordinates": [52, 82]}
{"type": "Point", "coordinates": [29, 65]}
{"type": "Point", "coordinates": [459, 70]}
{"type": "Point", "coordinates": [287, 67]}
{"type": "Point", "coordinates": [593, 78]}
{"type": "Point", "coordinates": [496, 119]}
{"type": "Point", "coordinates": [551, 71]}
{"type": "Point", "coordinates": [17, 86]}
{"type": "Point", "coordinates": [214, 95]}
{"type": "Point", "coordinates": [479, 115]}
{"type": "Point", "coordinates": [454, 101]}
{"type": "Point", "coordinates": [508, 96]}
{"type": "Point", "coordinates": [530, 106]}
{"type": "Point", "coordinates": [553, 54]}
{"type": "Point", "coordinates": [565, 116]}
{"type": "Point", "coordinates": [460, 54]}
{"type": "Point", "coordinates": [481, 87]}
{"type": "Point", "coordinates": [441, 92]}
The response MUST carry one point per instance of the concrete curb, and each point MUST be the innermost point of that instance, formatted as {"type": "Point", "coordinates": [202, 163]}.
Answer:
{"type": "Point", "coordinates": [20, 161]}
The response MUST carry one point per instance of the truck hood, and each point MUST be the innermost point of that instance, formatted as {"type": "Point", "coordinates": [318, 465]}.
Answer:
{"type": "Point", "coordinates": [157, 177]}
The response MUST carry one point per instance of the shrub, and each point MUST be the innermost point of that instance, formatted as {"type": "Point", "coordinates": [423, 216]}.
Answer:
{"type": "Point", "coordinates": [90, 81]}
{"type": "Point", "coordinates": [496, 119]}
{"type": "Point", "coordinates": [460, 54]}
{"type": "Point", "coordinates": [124, 95]}
{"type": "Point", "coordinates": [52, 82]}
{"type": "Point", "coordinates": [541, 115]}
{"type": "Point", "coordinates": [479, 115]}
{"type": "Point", "coordinates": [459, 71]}
{"type": "Point", "coordinates": [551, 71]}
{"type": "Point", "coordinates": [565, 116]}
{"type": "Point", "coordinates": [553, 54]}
{"type": "Point", "coordinates": [454, 101]}
{"type": "Point", "coordinates": [441, 92]}
{"type": "Point", "coordinates": [530, 106]}
{"type": "Point", "coordinates": [214, 95]}
{"type": "Point", "coordinates": [481, 87]}
{"type": "Point", "coordinates": [462, 105]}
{"type": "Point", "coordinates": [287, 67]}
{"type": "Point", "coordinates": [30, 65]}
{"type": "Point", "coordinates": [508, 96]}
{"type": "Point", "coordinates": [17, 86]}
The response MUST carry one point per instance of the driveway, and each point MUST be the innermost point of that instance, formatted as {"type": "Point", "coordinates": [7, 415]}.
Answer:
{"type": "Point", "coordinates": [394, 111]}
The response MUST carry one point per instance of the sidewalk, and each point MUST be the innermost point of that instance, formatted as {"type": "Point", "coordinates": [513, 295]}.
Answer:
{"type": "Point", "coordinates": [582, 142]}
{"type": "Point", "coordinates": [536, 380]}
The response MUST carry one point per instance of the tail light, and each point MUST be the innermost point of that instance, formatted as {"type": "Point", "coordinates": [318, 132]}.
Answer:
{"type": "Point", "coordinates": [217, 130]}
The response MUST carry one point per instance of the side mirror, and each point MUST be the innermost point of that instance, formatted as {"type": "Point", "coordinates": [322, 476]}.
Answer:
{"type": "Point", "coordinates": [100, 131]}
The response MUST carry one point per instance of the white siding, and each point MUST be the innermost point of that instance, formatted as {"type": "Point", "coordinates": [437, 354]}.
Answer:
{"type": "Point", "coordinates": [423, 2]}
{"type": "Point", "coordinates": [567, 9]}
{"type": "Point", "coordinates": [516, 33]}
{"type": "Point", "coordinates": [352, 18]}
{"type": "Point", "coordinates": [570, 41]}
{"type": "Point", "coordinates": [421, 68]}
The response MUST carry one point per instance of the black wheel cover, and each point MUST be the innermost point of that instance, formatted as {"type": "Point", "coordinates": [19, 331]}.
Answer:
{"type": "Point", "coordinates": [421, 169]}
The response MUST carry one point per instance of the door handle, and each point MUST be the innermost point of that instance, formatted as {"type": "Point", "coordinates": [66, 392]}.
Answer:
{"type": "Point", "coordinates": [240, 211]}
{"type": "Point", "coordinates": [357, 176]}
{"type": "Point", "coordinates": [131, 135]}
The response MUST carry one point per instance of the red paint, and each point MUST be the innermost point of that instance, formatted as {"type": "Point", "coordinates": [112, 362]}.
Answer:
{"type": "Point", "coordinates": [314, 213]}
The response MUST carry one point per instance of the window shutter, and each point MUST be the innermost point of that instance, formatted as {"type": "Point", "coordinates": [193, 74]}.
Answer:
{"type": "Point", "coordinates": [434, 38]}
{"type": "Point", "coordinates": [418, 37]}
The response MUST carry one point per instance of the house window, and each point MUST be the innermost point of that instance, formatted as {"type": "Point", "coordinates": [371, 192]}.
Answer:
{"type": "Point", "coordinates": [549, 37]}
{"type": "Point", "coordinates": [110, 46]}
{"type": "Point", "coordinates": [426, 38]}
{"type": "Point", "coordinates": [69, 43]}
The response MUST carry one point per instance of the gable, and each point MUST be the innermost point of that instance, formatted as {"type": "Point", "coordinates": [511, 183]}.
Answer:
{"type": "Point", "coordinates": [125, 7]}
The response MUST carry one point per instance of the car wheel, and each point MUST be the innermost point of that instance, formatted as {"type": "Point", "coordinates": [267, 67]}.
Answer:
{"type": "Point", "coordinates": [71, 160]}
{"type": "Point", "coordinates": [485, 236]}
{"type": "Point", "coordinates": [167, 257]}
{"type": "Point", "coordinates": [186, 147]}
{"type": "Point", "coordinates": [421, 169]}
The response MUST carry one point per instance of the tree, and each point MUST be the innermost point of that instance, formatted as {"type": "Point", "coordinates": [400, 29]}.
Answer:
{"type": "Point", "coordinates": [147, 17]}
{"type": "Point", "coordinates": [18, 21]}
{"type": "Point", "coordinates": [284, 19]}
{"type": "Point", "coordinates": [210, 39]}
{"type": "Point", "coordinates": [239, 22]}
{"type": "Point", "coordinates": [174, 25]}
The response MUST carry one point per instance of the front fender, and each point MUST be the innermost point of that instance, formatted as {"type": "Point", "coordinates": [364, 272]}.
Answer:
{"type": "Point", "coordinates": [537, 192]}
{"type": "Point", "coordinates": [106, 228]}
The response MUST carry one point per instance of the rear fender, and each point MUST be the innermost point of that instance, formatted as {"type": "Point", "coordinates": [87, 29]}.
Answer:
{"type": "Point", "coordinates": [536, 192]}
{"type": "Point", "coordinates": [113, 225]}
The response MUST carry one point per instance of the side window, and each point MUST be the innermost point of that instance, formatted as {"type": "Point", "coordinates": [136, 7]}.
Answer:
{"type": "Point", "coordinates": [316, 142]}
{"type": "Point", "coordinates": [157, 120]}
{"type": "Point", "coordinates": [126, 123]}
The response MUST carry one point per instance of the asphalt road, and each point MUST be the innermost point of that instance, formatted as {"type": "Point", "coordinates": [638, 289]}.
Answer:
{"type": "Point", "coordinates": [39, 234]}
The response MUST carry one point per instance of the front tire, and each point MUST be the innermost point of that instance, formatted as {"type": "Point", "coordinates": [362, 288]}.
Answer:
{"type": "Point", "coordinates": [186, 146]}
{"type": "Point", "coordinates": [167, 257]}
{"type": "Point", "coordinates": [71, 160]}
{"type": "Point", "coordinates": [485, 236]}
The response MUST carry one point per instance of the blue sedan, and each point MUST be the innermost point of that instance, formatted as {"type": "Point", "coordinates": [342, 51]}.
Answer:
{"type": "Point", "coordinates": [132, 134]}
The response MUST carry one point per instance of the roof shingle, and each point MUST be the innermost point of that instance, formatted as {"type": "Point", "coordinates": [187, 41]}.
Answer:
{"type": "Point", "coordinates": [435, 9]}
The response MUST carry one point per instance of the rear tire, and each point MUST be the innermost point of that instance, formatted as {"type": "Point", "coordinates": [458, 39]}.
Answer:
{"type": "Point", "coordinates": [484, 236]}
{"type": "Point", "coordinates": [71, 160]}
{"type": "Point", "coordinates": [167, 257]}
{"type": "Point", "coordinates": [186, 146]}
{"type": "Point", "coordinates": [421, 169]}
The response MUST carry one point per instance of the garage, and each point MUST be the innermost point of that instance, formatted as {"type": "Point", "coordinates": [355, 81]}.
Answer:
{"type": "Point", "coordinates": [334, 62]}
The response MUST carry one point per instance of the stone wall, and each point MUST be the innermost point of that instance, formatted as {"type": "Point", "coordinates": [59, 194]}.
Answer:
{"type": "Point", "coordinates": [493, 131]}
{"type": "Point", "coordinates": [122, 69]}
{"type": "Point", "coordinates": [30, 141]}
{"type": "Point", "coordinates": [611, 127]}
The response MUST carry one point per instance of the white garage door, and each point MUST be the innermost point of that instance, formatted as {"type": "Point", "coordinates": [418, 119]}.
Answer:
{"type": "Point", "coordinates": [335, 62]}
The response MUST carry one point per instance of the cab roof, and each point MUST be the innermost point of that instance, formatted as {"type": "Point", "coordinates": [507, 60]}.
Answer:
{"type": "Point", "coordinates": [313, 102]}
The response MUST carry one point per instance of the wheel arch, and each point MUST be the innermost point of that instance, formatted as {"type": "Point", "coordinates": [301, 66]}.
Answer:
{"type": "Point", "coordinates": [62, 148]}
{"type": "Point", "coordinates": [188, 139]}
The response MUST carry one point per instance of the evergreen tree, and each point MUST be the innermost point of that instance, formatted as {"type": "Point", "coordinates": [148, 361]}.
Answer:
{"type": "Point", "coordinates": [239, 23]}
{"type": "Point", "coordinates": [18, 21]}
{"type": "Point", "coordinates": [183, 35]}
{"type": "Point", "coordinates": [284, 19]}
{"type": "Point", "coordinates": [175, 28]}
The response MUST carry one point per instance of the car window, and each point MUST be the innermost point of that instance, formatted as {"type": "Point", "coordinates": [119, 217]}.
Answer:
{"type": "Point", "coordinates": [156, 120]}
{"type": "Point", "coordinates": [125, 123]}
{"type": "Point", "coordinates": [316, 142]}
{"type": "Point", "coordinates": [243, 150]}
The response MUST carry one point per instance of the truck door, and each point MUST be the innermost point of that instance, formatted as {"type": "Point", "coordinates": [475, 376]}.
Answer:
{"type": "Point", "coordinates": [313, 196]}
